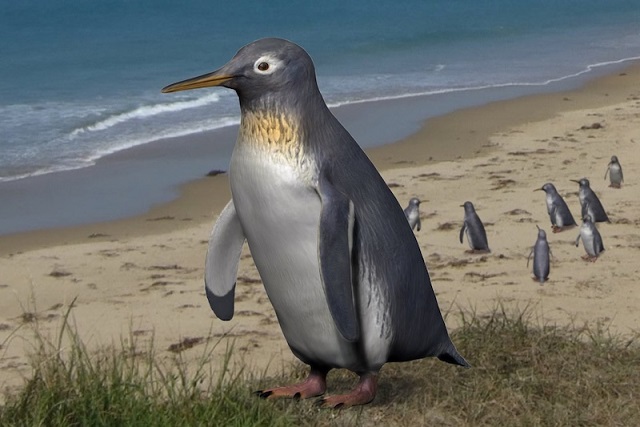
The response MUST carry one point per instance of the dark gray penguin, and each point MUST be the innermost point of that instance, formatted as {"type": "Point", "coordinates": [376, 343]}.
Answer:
{"type": "Point", "coordinates": [591, 239]}
{"type": "Point", "coordinates": [590, 203]}
{"type": "Point", "coordinates": [559, 213]}
{"type": "Point", "coordinates": [341, 268]}
{"type": "Point", "coordinates": [474, 229]}
{"type": "Point", "coordinates": [412, 213]}
{"type": "Point", "coordinates": [541, 257]}
{"type": "Point", "coordinates": [615, 173]}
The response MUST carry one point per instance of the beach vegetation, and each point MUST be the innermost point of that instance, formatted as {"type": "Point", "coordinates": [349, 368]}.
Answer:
{"type": "Point", "coordinates": [524, 372]}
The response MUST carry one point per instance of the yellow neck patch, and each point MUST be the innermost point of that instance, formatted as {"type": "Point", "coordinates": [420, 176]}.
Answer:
{"type": "Point", "coordinates": [269, 128]}
{"type": "Point", "coordinates": [274, 132]}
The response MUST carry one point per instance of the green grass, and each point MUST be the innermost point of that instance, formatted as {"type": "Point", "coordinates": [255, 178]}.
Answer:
{"type": "Point", "coordinates": [524, 373]}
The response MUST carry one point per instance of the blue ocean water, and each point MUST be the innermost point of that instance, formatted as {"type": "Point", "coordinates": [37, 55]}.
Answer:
{"type": "Point", "coordinates": [80, 79]}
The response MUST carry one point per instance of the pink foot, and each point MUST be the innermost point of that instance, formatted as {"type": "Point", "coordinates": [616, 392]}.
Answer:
{"type": "Point", "coordinates": [589, 258]}
{"type": "Point", "coordinates": [557, 229]}
{"type": "Point", "coordinates": [314, 385]}
{"type": "Point", "coordinates": [364, 393]}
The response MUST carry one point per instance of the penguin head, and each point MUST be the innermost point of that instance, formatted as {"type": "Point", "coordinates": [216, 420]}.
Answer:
{"type": "Point", "coordinates": [271, 68]}
{"type": "Point", "coordinates": [541, 233]}
{"type": "Point", "coordinates": [583, 182]}
{"type": "Point", "coordinates": [414, 202]}
{"type": "Point", "coordinates": [614, 159]}
{"type": "Point", "coordinates": [468, 207]}
{"type": "Point", "coordinates": [547, 188]}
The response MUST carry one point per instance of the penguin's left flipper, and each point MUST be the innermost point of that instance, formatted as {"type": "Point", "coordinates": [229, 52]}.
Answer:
{"type": "Point", "coordinates": [221, 266]}
{"type": "Point", "coordinates": [335, 240]}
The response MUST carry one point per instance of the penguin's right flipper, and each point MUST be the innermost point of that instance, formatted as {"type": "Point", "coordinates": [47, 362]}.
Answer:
{"type": "Point", "coordinates": [221, 266]}
{"type": "Point", "coordinates": [597, 243]}
{"type": "Point", "coordinates": [464, 225]}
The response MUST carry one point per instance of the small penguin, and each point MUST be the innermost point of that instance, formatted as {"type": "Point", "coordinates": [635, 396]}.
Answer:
{"type": "Point", "coordinates": [472, 225]}
{"type": "Point", "coordinates": [540, 252]}
{"type": "Point", "coordinates": [559, 213]}
{"type": "Point", "coordinates": [590, 203]}
{"type": "Point", "coordinates": [591, 239]}
{"type": "Point", "coordinates": [615, 173]}
{"type": "Point", "coordinates": [412, 212]}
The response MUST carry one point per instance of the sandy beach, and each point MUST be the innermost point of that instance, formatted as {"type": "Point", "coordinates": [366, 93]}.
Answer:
{"type": "Point", "coordinates": [141, 277]}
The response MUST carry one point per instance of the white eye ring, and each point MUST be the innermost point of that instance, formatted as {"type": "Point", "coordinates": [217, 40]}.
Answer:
{"type": "Point", "coordinates": [266, 65]}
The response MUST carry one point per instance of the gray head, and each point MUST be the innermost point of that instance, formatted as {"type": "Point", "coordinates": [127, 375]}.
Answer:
{"type": "Point", "coordinates": [541, 233]}
{"type": "Point", "coordinates": [414, 202]}
{"type": "Point", "coordinates": [614, 159]}
{"type": "Point", "coordinates": [586, 219]}
{"type": "Point", "coordinates": [548, 188]}
{"type": "Point", "coordinates": [468, 207]}
{"type": "Point", "coordinates": [267, 71]}
{"type": "Point", "coordinates": [583, 182]}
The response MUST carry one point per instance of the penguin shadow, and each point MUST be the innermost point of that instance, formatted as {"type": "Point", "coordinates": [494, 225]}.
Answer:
{"type": "Point", "coordinates": [436, 261]}
{"type": "Point", "coordinates": [401, 382]}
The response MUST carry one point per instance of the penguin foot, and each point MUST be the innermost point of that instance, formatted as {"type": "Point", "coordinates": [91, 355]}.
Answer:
{"type": "Point", "coordinates": [615, 186]}
{"type": "Point", "coordinates": [557, 229]}
{"type": "Point", "coordinates": [589, 258]}
{"type": "Point", "coordinates": [364, 393]}
{"type": "Point", "coordinates": [314, 385]}
{"type": "Point", "coordinates": [478, 251]}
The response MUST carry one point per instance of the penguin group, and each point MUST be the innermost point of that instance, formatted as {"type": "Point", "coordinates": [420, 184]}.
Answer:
{"type": "Point", "coordinates": [591, 209]}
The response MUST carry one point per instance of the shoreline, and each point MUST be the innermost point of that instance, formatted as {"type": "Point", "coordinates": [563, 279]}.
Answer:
{"type": "Point", "coordinates": [206, 196]}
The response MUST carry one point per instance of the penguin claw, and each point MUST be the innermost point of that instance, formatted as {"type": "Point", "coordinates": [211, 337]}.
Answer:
{"type": "Point", "coordinates": [324, 403]}
{"type": "Point", "coordinates": [263, 394]}
{"type": "Point", "coordinates": [314, 385]}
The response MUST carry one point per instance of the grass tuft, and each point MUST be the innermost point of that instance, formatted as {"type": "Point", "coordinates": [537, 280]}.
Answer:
{"type": "Point", "coordinates": [524, 373]}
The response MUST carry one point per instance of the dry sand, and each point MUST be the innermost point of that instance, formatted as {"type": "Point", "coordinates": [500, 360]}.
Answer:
{"type": "Point", "coordinates": [142, 277]}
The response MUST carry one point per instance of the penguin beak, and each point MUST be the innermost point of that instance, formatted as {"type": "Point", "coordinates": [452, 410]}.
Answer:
{"type": "Point", "coordinates": [217, 78]}
{"type": "Point", "coordinates": [538, 189]}
{"type": "Point", "coordinates": [574, 180]}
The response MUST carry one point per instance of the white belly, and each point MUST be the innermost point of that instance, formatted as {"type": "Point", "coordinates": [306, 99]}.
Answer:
{"type": "Point", "coordinates": [280, 215]}
{"type": "Point", "coordinates": [413, 218]}
{"type": "Point", "coordinates": [615, 173]}
{"type": "Point", "coordinates": [588, 240]}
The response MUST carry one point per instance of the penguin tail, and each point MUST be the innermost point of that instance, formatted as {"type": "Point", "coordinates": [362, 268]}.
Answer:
{"type": "Point", "coordinates": [452, 356]}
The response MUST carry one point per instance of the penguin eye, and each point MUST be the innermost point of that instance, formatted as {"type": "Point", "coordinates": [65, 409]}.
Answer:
{"type": "Point", "coordinates": [267, 64]}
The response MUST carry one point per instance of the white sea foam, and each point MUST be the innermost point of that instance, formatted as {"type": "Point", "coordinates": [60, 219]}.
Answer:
{"type": "Point", "coordinates": [125, 141]}
{"type": "Point", "coordinates": [82, 160]}
{"type": "Point", "coordinates": [147, 111]}
{"type": "Point", "coordinates": [589, 68]}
